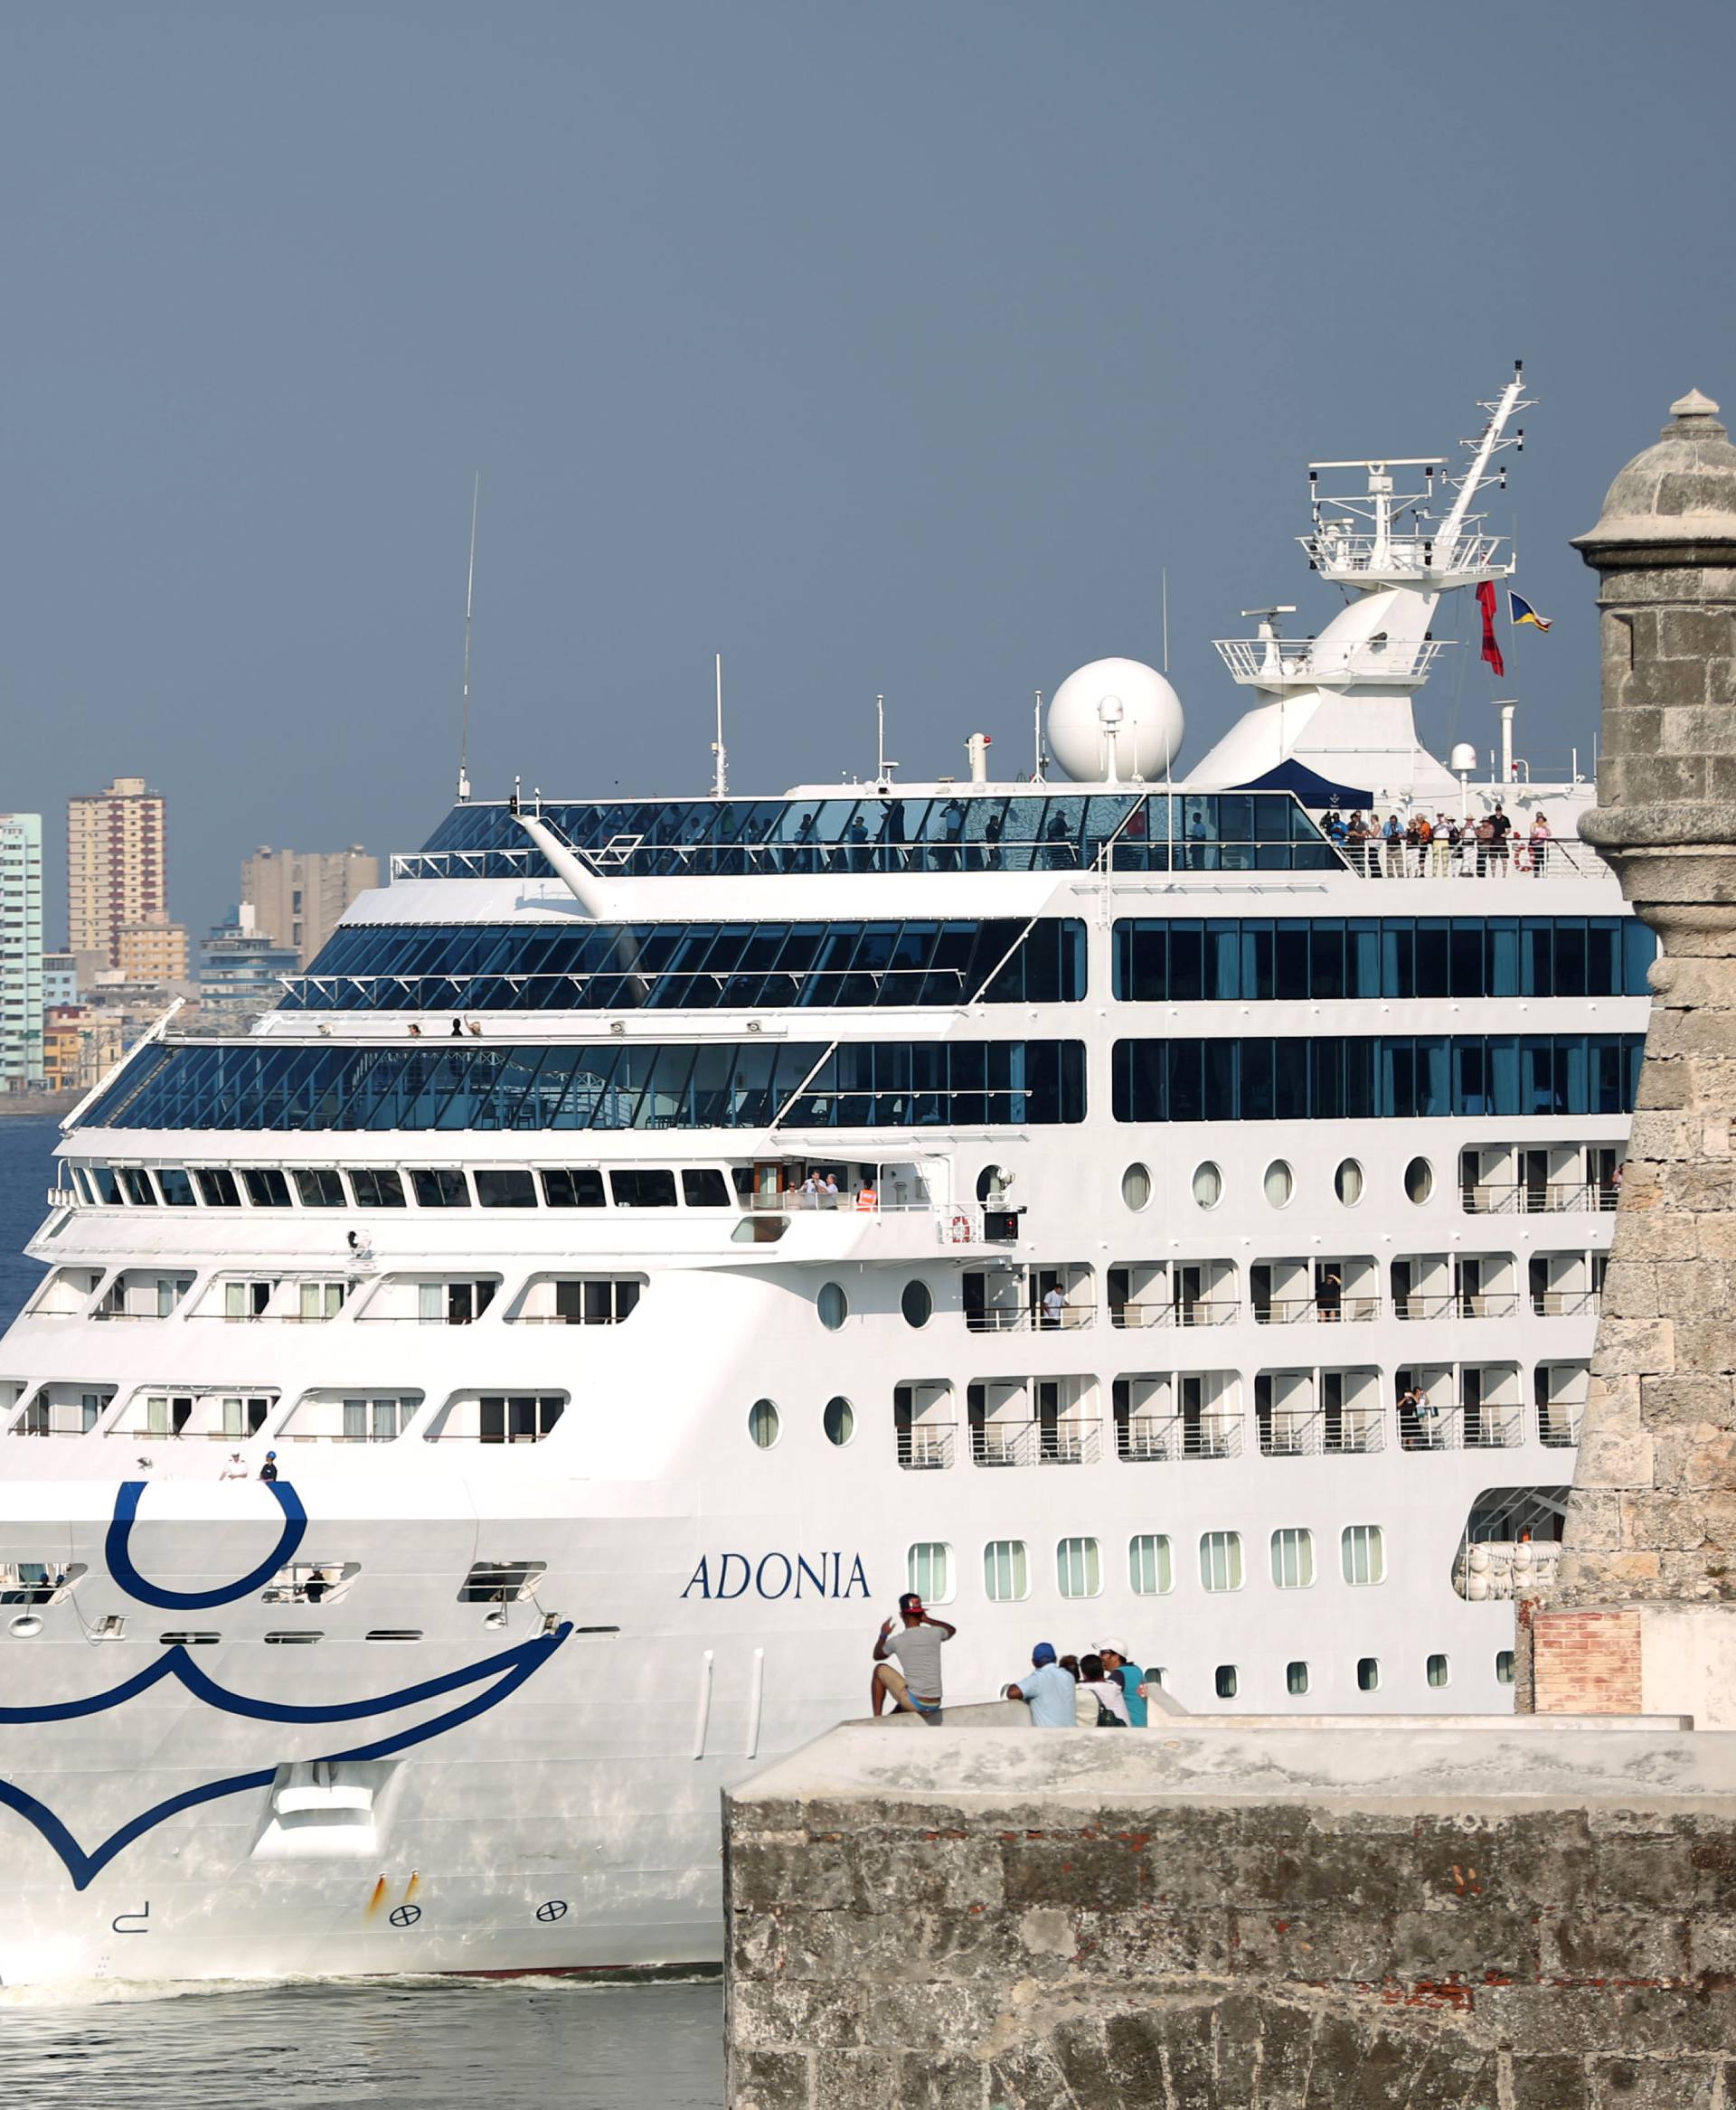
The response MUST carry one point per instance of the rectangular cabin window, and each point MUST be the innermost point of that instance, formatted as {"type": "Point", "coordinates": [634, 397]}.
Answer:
{"type": "Point", "coordinates": [103, 1179]}
{"type": "Point", "coordinates": [703, 1187]}
{"type": "Point", "coordinates": [517, 1418]}
{"type": "Point", "coordinates": [573, 1187]}
{"type": "Point", "coordinates": [320, 1300]}
{"type": "Point", "coordinates": [505, 1190]}
{"type": "Point", "coordinates": [500, 1582]}
{"type": "Point", "coordinates": [376, 1419]}
{"type": "Point", "coordinates": [440, 1187]}
{"type": "Point", "coordinates": [266, 1187]}
{"type": "Point", "coordinates": [244, 1415]}
{"type": "Point", "coordinates": [319, 1187]}
{"type": "Point", "coordinates": [453, 1303]}
{"type": "Point", "coordinates": [376, 1187]}
{"type": "Point", "coordinates": [137, 1183]}
{"type": "Point", "coordinates": [176, 1186]}
{"type": "Point", "coordinates": [217, 1188]}
{"type": "Point", "coordinates": [643, 1190]}
{"type": "Point", "coordinates": [596, 1302]}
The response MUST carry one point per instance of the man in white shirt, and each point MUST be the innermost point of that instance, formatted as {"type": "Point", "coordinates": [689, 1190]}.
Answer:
{"type": "Point", "coordinates": [915, 1687]}
{"type": "Point", "coordinates": [1054, 1305]}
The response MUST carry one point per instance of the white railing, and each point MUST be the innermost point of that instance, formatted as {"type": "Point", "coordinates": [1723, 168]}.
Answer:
{"type": "Point", "coordinates": [1154, 1438]}
{"type": "Point", "coordinates": [925, 1446]}
{"type": "Point", "coordinates": [1459, 1427]}
{"type": "Point", "coordinates": [1558, 1423]}
{"type": "Point", "coordinates": [1515, 1198]}
{"type": "Point", "coordinates": [1035, 1443]}
{"type": "Point", "coordinates": [1410, 556]}
{"type": "Point", "coordinates": [1322, 1432]}
{"type": "Point", "coordinates": [1566, 1304]}
{"type": "Point", "coordinates": [1191, 1312]}
{"type": "Point", "coordinates": [1022, 1319]}
{"type": "Point", "coordinates": [1273, 663]}
{"type": "Point", "coordinates": [1291, 1311]}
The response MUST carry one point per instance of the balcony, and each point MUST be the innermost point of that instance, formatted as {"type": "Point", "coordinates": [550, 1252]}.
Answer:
{"type": "Point", "coordinates": [926, 1446]}
{"type": "Point", "coordinates": [1020, 1319]}
{"type": "Point", "coordinates": [1461, 1427]}
{"type": "Point", "coordinates": [1326, 1433]}
{"type": "Point", "coordinates": [1291, 1311]}
{"type": "Point", "coordinates": [1159, 1438]}
{"type": "Point", "coordinates": [1035, 1443]}
{"type": "Point", "coordinates": [1566, 1304]}
{"type": "Point", "coordinates": [1558, 1423]}
{"type": "Point", "coordinates": [1307, 662]}
{"type": "Point", "coordinates": [1515, 1198]}
{"type": "Point", "coordinates": [1192, 1311]}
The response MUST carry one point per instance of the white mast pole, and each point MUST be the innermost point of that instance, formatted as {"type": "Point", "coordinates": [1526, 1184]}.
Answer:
{"type": "Point", "coordinates": [880, 739]}
{"type": "Point", "coordinates": [1447, 541]}
{"type": "Point", "coordinates": [1165, 579]}
{"type": "Point", "coordinates": [469, 603]}
{"type": "Point", "coordinates": [720, 773]}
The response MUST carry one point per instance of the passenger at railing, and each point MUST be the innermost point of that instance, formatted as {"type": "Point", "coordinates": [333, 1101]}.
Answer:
{"type": "Point", "coordinates": [829, 1195]}
{"type": "Point", "coordinates": [1418, 837]}
{"type": "Point", "coordinates": [1055, 853]}
{"type": "Point", "coordinates": [1357, 834]}
{"type": "Point", "coordinates": [1500, 833]}
{"type": "Point", "coordinates": [867, 1200]}
{"type": "Point", "coordinates": [1048, 1691]}
{"type": "Point", "coordinates": [1539, 844]}
{"type": "Point", "coordinates": [807, 1195]}
{"type": "Point", "coordinates": [1332, 824]}
{"type": "Point", "coordinates": [1111, 1707]}
{"type": "Point", "coordinates": [1055, 1308]}
{"type": "Point", "coordinates": [1329, 1296]}
{"type": "Point", "coordinates": [856, 836]}
{"type": "Point", "coordinates": [1392, 841]}
{"type": "Point", "coordinates": [415, 1031]}
{"type": "Point", "coordinates": [992, 843]}
{"type": "Point", "coordinates": [235, 1468]}
{"type": "Point", "coordinates": [1443, 847]}
{"type": "Point", "coordinates": [1414, 1431]}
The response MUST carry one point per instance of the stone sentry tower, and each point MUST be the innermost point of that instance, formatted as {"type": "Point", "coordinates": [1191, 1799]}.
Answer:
{"type": "Point", "coordinates": [1643, 1615]}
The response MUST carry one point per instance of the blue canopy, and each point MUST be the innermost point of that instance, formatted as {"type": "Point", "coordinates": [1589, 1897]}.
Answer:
{"type": "Point", "coordinates": [1311, 788]}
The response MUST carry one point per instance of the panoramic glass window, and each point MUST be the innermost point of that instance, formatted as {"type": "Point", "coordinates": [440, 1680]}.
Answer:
{"type": "Point", "coordinates": [512, 1187]}
{"type": "Point", "coordinates": [1208, 1185]}
{"type": "Point", "coordinates": [917, 1302]}
{"type": "Point", "coordinates": [645, 1188]}
{"type": "Point", "coordinates": [573, 1187]}
{"type": "Point", "coordinates": [704, 1187]}
{"type": "Point", "coordinates": [375, 1188]}
{"type": "Point", "coordinates": [319, 1188]}
{"type": "Point", "coordinates": [1136, 1186]}
{"type": "Point", "coordinates": [833, 1305]}
{"type": "Point", "coordinates": [763, 1423]}
{"type": "Point", "coordinates": [440, 1187]}
{"type": "Point", "coordinates": [839, 1421]}
{"type": "Point", "coordinates": [1347, 1183]}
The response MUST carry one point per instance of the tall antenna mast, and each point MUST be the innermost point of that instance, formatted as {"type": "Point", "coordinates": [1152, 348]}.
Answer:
{"type": "Point", "coordinates": [880, 739]}
{"type": "Point", "coordinates": [469, 604]}
{"type": "Point", "coordinates": [1165, 579]}
{"type": "Point", "coordinates": [720, 775]}
{"type": "Point", "coordinates": [1036, 754]}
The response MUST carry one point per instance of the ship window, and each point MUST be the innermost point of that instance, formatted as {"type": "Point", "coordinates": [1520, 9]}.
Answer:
{"type": "Point", "coordinates": [1347, 1183]}
{"type": "Point", "coordinates": [295, 1637]}
{"type": "Point", "coordinates": [376, 1187]}
{"type": "Point", "coordinates": [319, 1187]}
{"type": "Point", "coordinates": [1419, 1178]}
{"type": "Point", "coordinates": [928, 1570]}
{"type": "Point", "coordinates": [137, 1183]}
{"type": "Point", "coordinates": [182, 1637]}
{"type": "Point", "coordinates": [1208, 1185]}
{"type": "Point", "coordinates": [37, 1582]}
{"type": "Point", "coordinates": [917, 1302]}
{"type": "Point", "coordinates": [243, 1413]}
{"type": "Point", "coordinates": [266, 1187]}
{"type": "Point", "coordinates": [642, 1189]}
{"type": "Point", "coordinates": [992, 1183]}
{"type": "Point", "coordinates": [573, 1187]}
{"type": "Point", "coordinates": [217, 1187]}
{"type": "Point", "coordinates": [1220, 1561]}
{"type": "Point", "coordinates": [594, 1300]}
{"type": "Point", "coordinates": [763, 1423]}
{"type": "Point", "coordinates": [832, 1307]}
{"type": "Point", "coordinates": [1503, 1666]}
{"type": "Point", "coordinates": [703, 1187]}
{"type": "Point", "coordinates": [518, 1418]}
{"type": "Point", "coordinates": [1438, 1671]}
{"type": "Point", "coordinates": [1007, 1576]}
{"type": "Point", "coordinates": [1363, 1550]}
{"type": "Point", "coordinates": [453, 1303]}
{"type": "Point", "coordinates": [1279, 1184]}
{"type": "Point", "coordinates": [319, 1300]}
{"type": "Point", "coordinates": [1295, 1679]}
{"type": "Point", "coordinates": [176, 1186]}
{"type": "Point", "coordinates": [1226, 1681]}
{"type": "Point", "coordinates": [1368, 1674]}
{"type": "Point", "coordinates": [1136, 1186]}
{"type": "Point", "coordinates": [1293, 1558]}
{"type": "Point", "coordinates": [107, 1186]}
{"type": "Point", "coordinates": [1150, 1572]}
{"type": "Point", "coordinates": [508, 1189]}
{"type": "Point", "coordinates": [440, 1187]}
{"type": "Point", "coordinates": [501, 1582]}
{"type": "Point", "coordinates": [310, 1582]}
{"type": "Point", "coordinates": [394, 1633]}
{"type": "Point", "coordinates": [1079, 1571]}
{"type": "Point", "coordinates": [839, 1421]}
{"type": "Point", "coordinates": [376, 1418]}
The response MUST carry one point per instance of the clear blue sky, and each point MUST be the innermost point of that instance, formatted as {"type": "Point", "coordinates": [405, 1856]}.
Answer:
{"type": "Point", "coordinates": [883, 348]}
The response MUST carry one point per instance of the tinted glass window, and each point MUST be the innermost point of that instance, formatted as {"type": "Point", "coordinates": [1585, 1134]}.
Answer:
{"type": "Point", "coordinates": [376, 1188]}
{"type": "Point", "coordinates": [643, 1190]}
{"type": "Point", "coordinates": [440, 1187]}
{"type": "Point", "coordinates": [703, 1187]}
{"type": "Point", "coordinates": [217, 1188]}
{"type": "Point", "coordinates": [319, 1188]}
{"type": "Point", "coordinates": [137, 1183]}
{"type": "Point", "coordinates": [176, 1187]}
{"type": "Point", "coordinates": [107, 1186]}
{"type": "Point", "coordinates": [574, 1187]}
{"type": "Point", "coordinates": [266, 1187]}
{"type": "Point", "coordinates": [510, 1189]}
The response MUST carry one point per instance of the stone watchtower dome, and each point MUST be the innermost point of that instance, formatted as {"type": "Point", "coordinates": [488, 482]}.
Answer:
{"type": "Point", "coordinates": [1644, 1613]}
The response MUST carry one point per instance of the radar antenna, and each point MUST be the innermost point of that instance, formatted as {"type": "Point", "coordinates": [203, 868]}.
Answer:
{"type": "Point", "coordinates": [469, 604]}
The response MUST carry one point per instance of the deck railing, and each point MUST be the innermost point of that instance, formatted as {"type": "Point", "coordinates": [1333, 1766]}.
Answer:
{"type": "Point", "coordinates": [1322, 1432]}
{"type": "Point", "coordinates": [1188, 1312]}
{"type": "Point", "coordinates": [1156, 1438]}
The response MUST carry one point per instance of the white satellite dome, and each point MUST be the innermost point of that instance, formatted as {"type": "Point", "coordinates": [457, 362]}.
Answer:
{"type": "Point", "coordinates": [1113, 721]}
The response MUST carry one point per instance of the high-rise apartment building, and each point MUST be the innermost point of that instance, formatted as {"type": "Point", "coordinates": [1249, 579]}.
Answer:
{"type": "Point", "coordinates": [152, 950]}
{"type": "Point", "coordinates": [20, 951]}
{"type": "Point", "coordinates": [116, 866]}
{"type": "Point", "coordinates": [241, 973]}
{"type": "Point", "coordinates": [298, 895]}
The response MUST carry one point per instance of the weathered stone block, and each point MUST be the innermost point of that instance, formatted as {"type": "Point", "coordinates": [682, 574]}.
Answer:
{"type": "Point", "coordinates": [1030, 2080]}
{"type": "Point", "coordinates": [941, 2082]}
{"type": "Point", "coordinates": [916, 1869]}
{"type": "Point", "coordinates": [770, 2081]}
{"type": "Point", "coordinates": [1654, 2083]}
{"type": "Point", "coordinates": [1635, 1347]}
{"type": "Point", "coordinates": [1552, 2082]}
{"type": "Point", "coordinates": [856, 2080]}
{"type": "Point", "coordinates": [810, 1871]}
{"type": "Point", "coordinates": [1614, 1457]}
{"type": "Point", "coordinates": [1091, 1874]}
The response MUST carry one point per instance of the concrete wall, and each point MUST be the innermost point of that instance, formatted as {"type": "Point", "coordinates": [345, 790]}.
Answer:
{"type": "Point", "coordinates": [1528, 1914]}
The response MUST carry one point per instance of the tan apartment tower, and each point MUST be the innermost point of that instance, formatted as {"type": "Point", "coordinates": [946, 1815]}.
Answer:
{"type": "Point", "coordinates": [116, 866]}
{"type": "Point", "coordinates": [298, 895]}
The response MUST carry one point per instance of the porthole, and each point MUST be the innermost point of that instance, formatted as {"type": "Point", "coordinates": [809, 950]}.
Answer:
{"type": "Point", "coordinates": [1208, 1185]}
{"type": "Point", "coordinates": [1438, 1672]}
{"type": "Point", "coordinates": [1368, 1674]}
{"type": "Point", "coordinates": [1504, 1671]}
{"type": "Point", "coordinates": [1419, 1178]}
{"type": "Point", "coordinates": [917, 1303]}
{"type": "Point", "coordinates": [763, 1423]}
{"type": "Point", "coordinates": [839, 1421]}
{"type": "Point", "coordinates": [1279, 1184]}
{"type": "Point", "coordinates": [1295, 1679]}
{"type": "Point", "coordinates": [1347, 1183]}
{"type": "Point", "coordinates": [1226, 1681]}
{"type": "Point", "coordinates": [1136, 1186]}
{"type": "Point", "coordinates": [834, 1306]}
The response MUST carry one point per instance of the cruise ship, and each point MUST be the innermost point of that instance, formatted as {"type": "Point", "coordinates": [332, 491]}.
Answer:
{"type": "Point", "coordinates": [1119, 1202]}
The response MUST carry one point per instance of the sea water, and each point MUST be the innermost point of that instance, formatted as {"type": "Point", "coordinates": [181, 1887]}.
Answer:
{"type": "Point", "coordinates": [378, 2044]}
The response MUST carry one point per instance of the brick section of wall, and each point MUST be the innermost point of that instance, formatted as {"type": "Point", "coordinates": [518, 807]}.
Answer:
{"type": "Point", "coordinates": [895, 1952]}
{"type": "Point", "coordinates": [1586, 1662]}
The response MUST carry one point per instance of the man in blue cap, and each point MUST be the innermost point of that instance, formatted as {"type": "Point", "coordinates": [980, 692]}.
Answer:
{"type": "Point", "coordinates": [1050, 1693]}
{"type": "Point", "coordinates": [269, 1471]}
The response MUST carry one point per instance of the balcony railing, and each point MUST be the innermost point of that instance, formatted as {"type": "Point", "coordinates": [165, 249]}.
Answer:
{"type": "Point", "coordinates": [1188, 1312]}
{"type": "Point", "coordinates": [1022, 1319]}
{"type": "Point", "coordinates": [1358, 554]}
{"type": "Point", "coordinates": [1558, 1423]}
{"type": "Point", "coordinates": [1511, 1198]}
{"type": "Point", "coordinates": [926, 1446]}
{"type": "Point", "coordinates": [1566, 1304]}
{"type": "Point", "coordinates": [1460, 1427]}
{"type": "Point", "coordinates": [1275, 663]}
{"type": "Point", "coordinates": [1453, 1304]}
{"type": "Point", "coordinates": [1156, 1438]}
{"type": "Point", "coordinates": [1035, 1443]}
{"type": "Point", "coordinates": [1325, 1432]}
{"type": "Point", "coordinates": [1291, 1311]}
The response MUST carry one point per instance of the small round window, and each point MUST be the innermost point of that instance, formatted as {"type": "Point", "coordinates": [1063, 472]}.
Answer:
{"type": "Point", "coordinates": [1419, 1178]}
{"type": "Point", "coordinates": [1281, 1183]}
{"type": "Point", "coordinates": [839, 1421]}
{"type": "Point", "coordinates": [1136, 1186]}
{"type": "Point", "coordinates": [762, 1423]}
{"type": "Point", "coordinates": [915, 1304]}
{"type": "Point", "coordinates": [834, 1306]}
{"type": "Point", "coordinates": [1208, 1185]}
{"type": "Point", "coordinates": [1347, 1183]}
